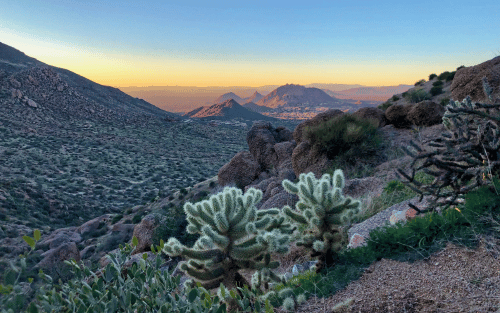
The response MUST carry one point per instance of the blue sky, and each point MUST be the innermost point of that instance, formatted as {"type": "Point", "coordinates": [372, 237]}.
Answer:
{"type": "Point", "coordinates": [202, 43]}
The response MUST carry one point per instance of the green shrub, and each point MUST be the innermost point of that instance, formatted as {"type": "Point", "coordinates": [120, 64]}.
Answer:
{"type": "Point", "coordinates": [404, 94]}
{"type": "Point", "coordinates": [385, 105]}
{"type": "Point", "coordinates": [137, 218]}
{"type": "Point", "coordinates": [432, 76]}
{"type": "Point", "coordinates": [346, 135]}
{"type": "Point", "coordinates": [417, 95]}
{"type": "Point", "coordinates": [445, 101]}
{"type": "Point", "coordinates": [436, 90]}
{"type": "Point", "coordinates": [438, 83]}
{"type": "Point", "coordinates": [420, 82]}
{"type": "Point", "coordinates": [395, 98]}
{"type": "Point", "coordinates": [448, 76]}
{"type": "Point", "coordinates": [461, 66]}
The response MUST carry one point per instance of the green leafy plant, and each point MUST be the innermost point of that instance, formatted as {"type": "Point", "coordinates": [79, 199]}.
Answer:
{"type": "Point", "coordinates": [436, 90]}
{"type": "Point", "coordinates": [420, 82]}
{"type": "Point", "coordinates": [432, 76]}
{"type": "Point", "coordinates": [324, 212]}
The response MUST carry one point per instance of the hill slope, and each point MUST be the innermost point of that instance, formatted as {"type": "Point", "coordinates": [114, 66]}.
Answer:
{"type": "Point", "coordinates": [295, 95]}
{"type": "Point", "coordinates": [227, 110]}
{"type": "Point", "coordinates": [13, 61]}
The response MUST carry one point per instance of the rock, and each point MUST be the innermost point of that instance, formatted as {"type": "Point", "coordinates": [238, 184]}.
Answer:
{"type": "Point", "coordinates": [279, 200]}
{"type": "Point", "coordinates": [262, 139]}
{"type": "Point", "coordinates": [396, 115]}
{"type": "Point", "coordinates": [87, 252]}
{"type": "Point", "coordinates": [144, 231]}
{"type": "Point", "coordinates": [426, 113]}
{"type": "Point", "coordinates": [318, 119]}
{"type": "Point", "coordinates": [356, 240]}
{"type": "Point", "coordinates": [60, 87]}
{"type": "Point", "coordinates": [32, 103]}
{"type": "Point", "coordinates": [283, 134]}
{"type": "Point", "coordinates": [305, 159]}
{"type": "Point", "coordinates": [94, 225]}
{"type": "Point", "coordinates": [241, 170]}
{"type": "Point", "coordinates": [372, 113]}
{"type": "Point", "coordinates": [468, 81]}
{"type": "Point", "coordinates": [284, 150]}
{"type": "Point", "coordinates": [15, 83]}
{"type": "Point", "coordinates": [397, 216]}
{"type": "Point", "coordinates": [359, 187]}
{"type": "Point", "coordinates": [66, 251]}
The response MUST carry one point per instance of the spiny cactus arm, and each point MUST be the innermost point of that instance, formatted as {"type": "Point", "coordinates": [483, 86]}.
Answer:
{"type": "Point", "coordinates": [338, 179]}
{"type": "Point", "coordinates": [290, 187]}
{"type": "Point", "coordinates": [219, 240]}
{"type": "Point", "coordinates": [221, 222]}
{"type": "Point", "coordinates": [240, 213]}
{"type": "Point", "coordinates": [295, 216]}
{"type": "Point", "coordinates": [266, 212]}
{"type": "Point", "coordinates": [247, 252]}
{"type": "Point", "coordinates": [204, 276]}
{"type": "Point", "coordinates": [257, 265]}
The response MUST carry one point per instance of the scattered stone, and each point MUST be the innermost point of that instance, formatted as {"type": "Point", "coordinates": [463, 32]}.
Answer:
{"type": "Point", "coordinates": [426, 113]}
{"type": "Point", "coordinates": [32, 103]}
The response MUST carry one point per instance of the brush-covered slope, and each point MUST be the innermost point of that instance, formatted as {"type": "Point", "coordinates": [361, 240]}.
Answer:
{"type": "Point", "coordinates": [227, 110]}
{"type": "Point", "coordinates": [13, 61]}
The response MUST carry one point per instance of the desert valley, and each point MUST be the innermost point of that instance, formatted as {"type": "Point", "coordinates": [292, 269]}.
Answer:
{"type": "Point", "coordinates": [104, 176]}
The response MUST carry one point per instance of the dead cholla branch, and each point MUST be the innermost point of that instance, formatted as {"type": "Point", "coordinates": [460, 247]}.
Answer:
{"type": "Point", "coordinates": [461, 160]}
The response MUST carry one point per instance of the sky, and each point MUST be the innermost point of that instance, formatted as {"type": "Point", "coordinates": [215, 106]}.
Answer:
{"type": "Point", "coordinates": [253, 43]}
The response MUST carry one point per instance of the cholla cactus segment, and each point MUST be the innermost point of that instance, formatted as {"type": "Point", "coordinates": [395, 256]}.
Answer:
{"type": "Point", "coordinates": [233, 236]}
{"type": "Point", "coordinates": [324, 211]}
{"type": "Point", "coordinates": [460, 159]}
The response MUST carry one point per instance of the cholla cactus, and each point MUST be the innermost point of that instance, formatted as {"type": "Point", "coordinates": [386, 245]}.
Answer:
{"type": "Point", "coordinates": [234, 236]}
{"type": "Point", "coordinates": [323, 211]}
{"type": "Point", "coordinates": [461, 159]}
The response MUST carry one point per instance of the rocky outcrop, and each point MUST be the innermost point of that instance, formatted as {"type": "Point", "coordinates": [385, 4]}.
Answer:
{"type": "Point", "coordinates": [372, 113]}
{"type": "Point", "coordinates": [306, 159]}
{"type": "Point", "coordinates": [54, 257]}
{"type": "Point", "coordinates": [318, 119]}
{"type": "Point", "coordinates": [468, 81]}
{"type": "Point", "coordinates": [425, 113]}
{"type": "Point", "coordinates": [397, 115]}
{"type": "Point", "coordinates": [145, 230]}
{"type": "Point", "coordinates": [241, 170]}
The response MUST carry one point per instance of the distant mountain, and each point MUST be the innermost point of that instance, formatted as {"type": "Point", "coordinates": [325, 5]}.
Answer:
{"type": "Point", "coordinates": [229, 96]}
{"type": "Point", "coordinates": [334, 87]}
{"type": "Point", "coordinates": [13, 61]}
{"type": "Point", "coordinates": [291, 95]}
{"type": "Point", "coordinates": [254, 98]}
{"type": "Point", "coordinates": [370, 93]}
{"type": "Point", "coordinates": [256, 108]}
{"type": "Point", "coordinates": [227, 110]}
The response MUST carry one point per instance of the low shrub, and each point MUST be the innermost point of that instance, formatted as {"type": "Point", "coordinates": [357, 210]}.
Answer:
{"type": "Point", "coordinates": [420, 82]}
{"type": "Point", "coordinates": [346, 135]}
{"type": "Point", "coordinates": [432, 76]}
{"type": "Point", "coordinates": [445, 101]}
{"type": "Point", "coordinates": [438, 83]}
{"type": "Point", "coordinates": [417, 95]}
{"type": "Point", "coordinates": [436, 90]}
{"type": "Point", "coordinates": [448, 76]}
{"type": "Point", "coordinates": [395, 98]}
{"type": "Point", "coordinates": [385, 105]}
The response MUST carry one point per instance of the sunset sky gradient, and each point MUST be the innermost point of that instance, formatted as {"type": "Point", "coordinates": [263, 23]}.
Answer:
{"type": "Point", "coordinates": [218, 43]}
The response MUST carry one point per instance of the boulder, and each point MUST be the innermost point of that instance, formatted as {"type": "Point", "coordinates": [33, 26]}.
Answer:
{"type": "Point", "coordinates": [66, 251]}
{"type": "Point", "coordinates": [241, 170]}
{"type": "Point", "coordinates": [468, 81]}
{"type": "Point", "coordinates": [426, 113]}
{"type": "Point", "coordinates": [92, 226]}
{"type": "Point", "coordinates": [372, 113]}
{"type": "Point", "coordinates": [396, 115]}
{"type": "Point", "coordinates": [284, 150]}
{"type": "Point", "coordinates": [359, 187]}
{"type": "Point", "coordinates": [305, 159]}
{"type": "Point", "coordinates": [318, 119]}
{"type": "Point", "coordinates": [279, 200]}
{"type": "Point", "coordinates": [145, 230]}
{"type": "Point", "coordinates": [262, 138]}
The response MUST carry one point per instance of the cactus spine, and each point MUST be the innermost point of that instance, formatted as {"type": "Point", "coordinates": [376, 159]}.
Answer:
{"type": "Point", "coordinates": [233, 236]}
{"type": "Point", "coordinates": [324, 211]}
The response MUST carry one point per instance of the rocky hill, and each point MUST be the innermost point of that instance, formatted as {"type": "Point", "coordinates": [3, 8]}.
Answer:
{"type": "Point", "coordinates": [229, 109]}
{"type": "Point", "coordinates": [297, 96]}
{"type": "Point", "coordinates": [369, 93]}
{"type": "Point", "coordinates": [256, 108]}
{"type": "Point", "coordinates": [13, 61]}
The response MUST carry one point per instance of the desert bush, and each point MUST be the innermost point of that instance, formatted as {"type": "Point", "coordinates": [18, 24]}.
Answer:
{"type": "Point", "coordinates": [448, 76]}
{"type": "Point", "coordinates": [395, 98]}
{"type": "Point", "coordinates": [436, 90]}
{"type": "Point", "coordinates": [461, 66]}
{"type": "Point", "coordinates": [438, 83]}
{"type": "Point", "coordinates": [432, 76]}
{"type": "Point", "coordinates": [420, 82]}
{"type": "Point", "coordinates": [417, 95]}
{"type": "Point", "coordinates": [385, 105]}
{"type": "Point", "coordinates": [346, 135]}
{"type": "Point", "coordinates": [444, 101]}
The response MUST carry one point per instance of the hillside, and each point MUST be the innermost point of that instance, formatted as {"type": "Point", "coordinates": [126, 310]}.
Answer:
{"type": "Point", "coordinates": [229, 109]}
{"type": "Point", "coordinates": [295, 95]}
{"type": "Point", "coordinates": [13, 61]}
{"type": "Point", "coordinates": [369, 93]}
